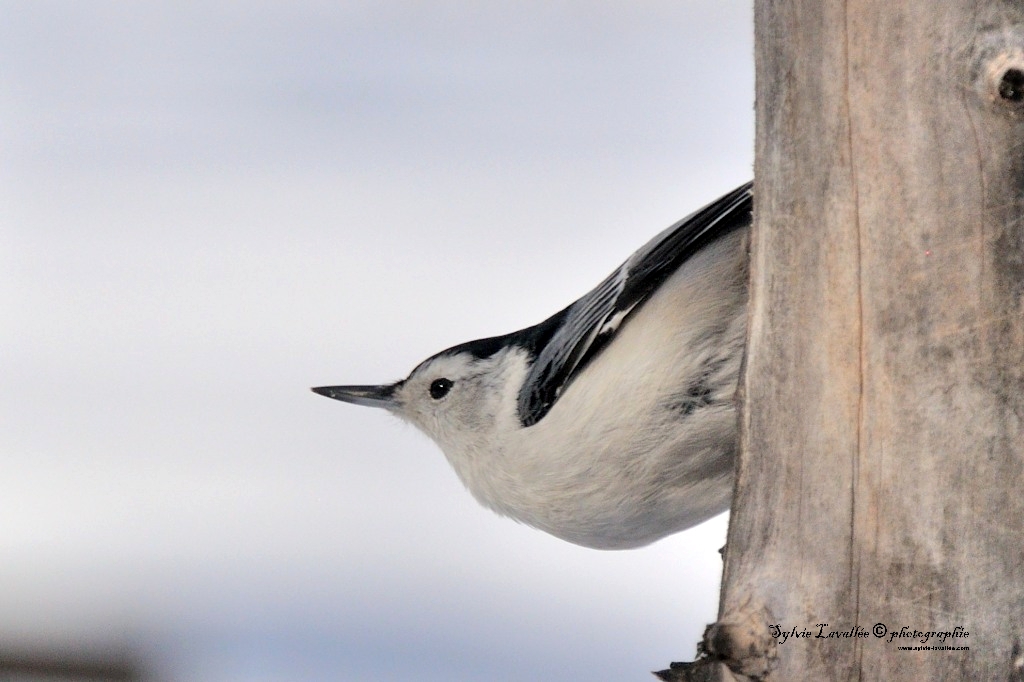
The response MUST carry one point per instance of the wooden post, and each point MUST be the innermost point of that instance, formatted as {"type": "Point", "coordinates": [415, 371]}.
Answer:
{"type": "Point", "coordinates": [881, 484]}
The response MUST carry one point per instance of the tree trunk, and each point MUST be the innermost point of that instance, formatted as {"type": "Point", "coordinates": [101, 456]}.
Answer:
{"type": "Point", "coordinates": [881, 485]}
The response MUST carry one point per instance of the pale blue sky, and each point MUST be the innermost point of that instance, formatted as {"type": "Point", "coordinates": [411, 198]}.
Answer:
{"type": "Point", "coordinates": [207, 208]}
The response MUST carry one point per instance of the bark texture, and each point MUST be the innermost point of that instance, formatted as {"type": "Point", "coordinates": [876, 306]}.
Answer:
{"type": "Point", "coordinates": [882, 479]}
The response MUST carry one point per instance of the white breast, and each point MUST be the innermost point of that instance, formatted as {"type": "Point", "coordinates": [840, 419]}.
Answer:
{"type": "Point", "coordinates": [622, 459]}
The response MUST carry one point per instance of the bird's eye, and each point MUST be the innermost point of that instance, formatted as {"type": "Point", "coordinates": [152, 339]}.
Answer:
{"type": "Point", "coordinates": [439, 388]}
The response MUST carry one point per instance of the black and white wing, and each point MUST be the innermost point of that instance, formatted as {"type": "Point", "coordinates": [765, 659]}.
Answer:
{"type": "Point", "coordinates": [572, 338]}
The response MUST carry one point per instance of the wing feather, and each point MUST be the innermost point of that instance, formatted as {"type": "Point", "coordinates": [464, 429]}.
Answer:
{"type": "Point", "coordinates": [589, 324]}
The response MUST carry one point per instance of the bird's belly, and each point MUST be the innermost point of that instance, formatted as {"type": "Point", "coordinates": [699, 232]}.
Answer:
{"type": "Point", "coordinates": [642, 443]}
{"type": "Point", "coordinates": [669, 478]}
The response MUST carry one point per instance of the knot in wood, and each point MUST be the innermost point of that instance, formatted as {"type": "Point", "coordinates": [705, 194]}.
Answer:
{"type": "Point", "coordinates": [742, 640]}
{"type": "Point", "coordinates": [999, 68]}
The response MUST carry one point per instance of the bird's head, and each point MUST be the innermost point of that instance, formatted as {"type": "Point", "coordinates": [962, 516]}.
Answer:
{"type": "Point", "coordinates": [458, 398]}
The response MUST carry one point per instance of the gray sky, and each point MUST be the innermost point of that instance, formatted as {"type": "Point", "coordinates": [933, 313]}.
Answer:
{"type": "Point", "coordinates": [207, 208]}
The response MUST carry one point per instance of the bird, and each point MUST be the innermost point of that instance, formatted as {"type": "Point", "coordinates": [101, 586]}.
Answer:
{"type": "Point", "coordinates": [612, 423]}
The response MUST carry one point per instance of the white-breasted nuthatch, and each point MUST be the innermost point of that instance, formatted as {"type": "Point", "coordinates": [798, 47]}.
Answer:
{"type": "Point", "coordinates": [611, 424]}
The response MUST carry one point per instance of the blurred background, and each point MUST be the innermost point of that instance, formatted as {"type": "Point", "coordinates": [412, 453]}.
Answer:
{"type": "Point", "coordinates": [207, 208]}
